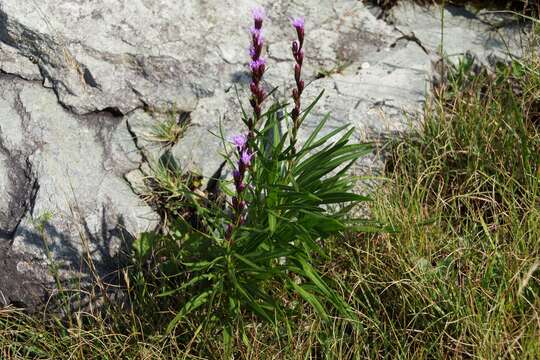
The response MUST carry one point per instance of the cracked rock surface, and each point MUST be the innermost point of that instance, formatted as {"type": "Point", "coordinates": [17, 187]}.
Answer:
{"type": "Point", "coordinates": [83, 82]}
{"type": "Point", "coordinates": [63, 194]}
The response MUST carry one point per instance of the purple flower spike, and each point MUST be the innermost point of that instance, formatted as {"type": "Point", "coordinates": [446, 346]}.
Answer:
{"type": "Point", "coordinates": [257, 66]}
{"type": "Point", "coordinates": [244, 150]}
{"type": "Point", "coordinates": [258, 16]}
{"type": "Point", "coordinates": [298, 55]}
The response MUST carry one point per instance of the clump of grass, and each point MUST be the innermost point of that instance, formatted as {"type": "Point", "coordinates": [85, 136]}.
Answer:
{"type": "Point", "coordinates": [34, 337]}
{"type": "Point", "coordinates": [166, 187]}
{"type": "Point", "coordinates": [461, 277]}
{"type": "Point", "coordinates": [168, 131]}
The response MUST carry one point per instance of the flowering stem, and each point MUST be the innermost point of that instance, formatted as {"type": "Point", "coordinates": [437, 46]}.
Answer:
{"type": "Point", "coordinates": [244, 143]}
{"type": "Point", "coordinates": [298, 54]}
{"type": "Point", "coordinates": [245, 156]}
{"type": "Point", "coordinates": [257, 66]}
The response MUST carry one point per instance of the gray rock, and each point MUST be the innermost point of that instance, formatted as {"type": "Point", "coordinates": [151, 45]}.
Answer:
{"type": "Point", "coordinates": [65, 199]}
{"type": "Point", "coordinates": [82, 84]}
{"type": "Point", "coordinates": [488, 37]}
{"type": "Point", "coordinates": [379, 77]}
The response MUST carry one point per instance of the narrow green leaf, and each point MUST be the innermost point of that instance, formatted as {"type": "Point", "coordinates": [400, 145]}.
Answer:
{"type": "Point", "coordinates": [311, 299]}
{"type": "Point", "coordinates": [191, 282]}
{"type": "Point", "coordinates": [188, 307]}
{"type": "Point", "coordinates": [248, 262]}
{"type": "Point", "coordinates": [272, 221]}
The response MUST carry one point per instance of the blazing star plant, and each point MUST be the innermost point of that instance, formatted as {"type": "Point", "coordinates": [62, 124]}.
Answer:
{"type": "Point", "coordinates": [258, 245]}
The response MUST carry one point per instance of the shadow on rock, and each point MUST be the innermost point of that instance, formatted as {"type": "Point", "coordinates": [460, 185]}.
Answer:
{"type": "Point", "coordinates": [71, 272]}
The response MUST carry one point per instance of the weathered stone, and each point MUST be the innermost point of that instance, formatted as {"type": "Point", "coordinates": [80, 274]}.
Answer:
{"type": "Point", "coordinates": [13, 63]}
{"type": "Point", "coordinates": [487, 37]}
{"type": "Point", "coordinates": [378, 74]}
{"type": "Point", "coordinates": [66, 201]}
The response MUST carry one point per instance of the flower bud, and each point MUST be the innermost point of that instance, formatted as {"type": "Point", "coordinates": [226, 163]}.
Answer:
{"type": "Point", "coordinates": [254, 88]}
{"type": "Point", "coordinates": [295, 94]}
{"type": "Point", "coordinates": [300, 57]}
{"type": "Point", "coordinates": [257, 68]}
{"type": "Point", "coordinates": [297, 71]}
{"type": "Point", "coordinates": [261, 95]}
{"type": "Point", "coordinates": [295, 47]}
{"type": "Point", "coordinates": [240, 205]}
{"type": "Point", "coordinates": [240, 187]}
{"type": "Point", "coordinates": [298, 23]}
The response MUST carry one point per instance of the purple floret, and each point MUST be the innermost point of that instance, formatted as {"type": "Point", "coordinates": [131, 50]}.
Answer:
{"type": "Point", "coordinates": [239, 140]}
{"type": "Point", "coordinates": [298, 22]}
